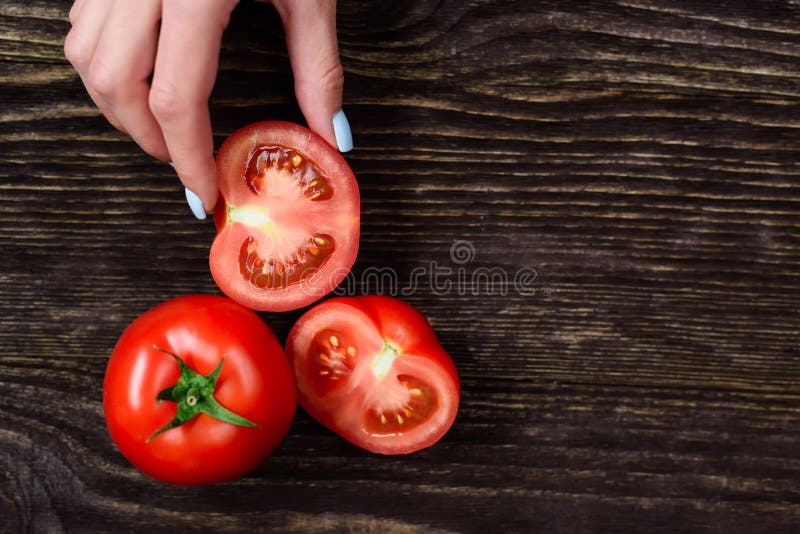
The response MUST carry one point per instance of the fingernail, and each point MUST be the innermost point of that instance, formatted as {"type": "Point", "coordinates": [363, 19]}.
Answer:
{"type": "Point", "coordinates": [341, 129]}
{"type": "Point", "coordinates": [195, 204]}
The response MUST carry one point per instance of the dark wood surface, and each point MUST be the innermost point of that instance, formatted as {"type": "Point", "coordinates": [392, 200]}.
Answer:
{"type": "Point", "coordinates": [641, 157]}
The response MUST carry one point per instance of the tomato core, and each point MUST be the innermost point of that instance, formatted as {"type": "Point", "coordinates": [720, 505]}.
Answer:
{"type": "Point", "coordinates": [252, 216]}
{"type": "Point", "coordinates": [382, 363]}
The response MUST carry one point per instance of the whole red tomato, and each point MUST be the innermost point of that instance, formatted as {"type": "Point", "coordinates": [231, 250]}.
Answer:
{"type": "Point", "coordinates": [198, 390]}
{"type": "Point", "coordinates": [287, 217]}
{"type": "Point", "coordinates": [372, 370]}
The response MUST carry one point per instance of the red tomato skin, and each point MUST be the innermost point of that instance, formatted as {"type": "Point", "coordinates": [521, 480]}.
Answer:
{"type": "Point", "coordinates": [255, 382]}
{"type": "Point", "coordinates": [231, 162]}
{"type": "Point", "coordinates": [405, 326]}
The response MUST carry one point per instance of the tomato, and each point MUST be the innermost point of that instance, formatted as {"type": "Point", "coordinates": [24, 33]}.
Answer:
{"type": "Point", "coordinates": [212, 364]}
{"type": "Point", "coordinates": [287, 218]}
{"type": "Point", "coordinates": [372, 370]}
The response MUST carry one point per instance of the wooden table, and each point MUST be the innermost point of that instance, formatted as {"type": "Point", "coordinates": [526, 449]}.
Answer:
{"type": "Point", "coordinates": [636, 160]}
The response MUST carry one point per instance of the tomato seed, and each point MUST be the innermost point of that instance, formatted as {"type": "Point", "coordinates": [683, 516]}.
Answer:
{"type": "Point", "coordinates": [308, 176]}
{"type": "Point", "coordinates": [304, 261]}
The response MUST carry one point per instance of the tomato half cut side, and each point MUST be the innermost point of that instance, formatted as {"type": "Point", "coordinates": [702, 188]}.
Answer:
{"type": "Point", "coordinates": [372, 370]}
{"type": "Point", "coordinates": [287, 218]}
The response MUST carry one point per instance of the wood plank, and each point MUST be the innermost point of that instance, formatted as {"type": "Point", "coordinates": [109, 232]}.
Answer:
{"type": "Point", "coordinates": [631, 164]}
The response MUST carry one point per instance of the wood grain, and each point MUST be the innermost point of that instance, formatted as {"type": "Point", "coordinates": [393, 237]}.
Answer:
{"type": "Point", "coordinates": [639, 157]}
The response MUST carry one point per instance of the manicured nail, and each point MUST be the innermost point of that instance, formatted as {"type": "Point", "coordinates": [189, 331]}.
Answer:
{"type": "Point", "coordinates": [341, 129]}
{"type": "Point", "coordinates": [195, 204]}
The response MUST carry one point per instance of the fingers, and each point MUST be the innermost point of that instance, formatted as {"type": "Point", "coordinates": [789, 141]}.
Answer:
{"type": "Point", "coordinates": [185, 70]}
{"type": "Point", "coordinates": [116, 44]}
{"type": "Point", "coordinates": [121, 66]}
{"type": "Point", "coordinates": [87, 18]}
{"type": "Point", "coordinates": [74, 12]}
{"type": "Point", "coordinates": [318, 76]}
{"type": "Point", "coordinates": [112, 46]}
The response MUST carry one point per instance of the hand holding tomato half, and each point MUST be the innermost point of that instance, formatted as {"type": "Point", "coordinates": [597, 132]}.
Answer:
{"type": "Point", "coordinates": [287, 218]}
{"type": "Point", "coordinates": [197, 391]}
{"type": "Point", "coordinates": [372, 370]}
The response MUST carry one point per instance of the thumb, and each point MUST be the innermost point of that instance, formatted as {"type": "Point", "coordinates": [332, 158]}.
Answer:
{"type": "Point", "coordinates": [318, 75]}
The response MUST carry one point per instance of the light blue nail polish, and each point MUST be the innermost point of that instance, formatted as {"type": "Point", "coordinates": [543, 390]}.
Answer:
{"type": "Point", "coordinates": [341, 129]}
{"type": "Point", "coordinates": [195, 204]}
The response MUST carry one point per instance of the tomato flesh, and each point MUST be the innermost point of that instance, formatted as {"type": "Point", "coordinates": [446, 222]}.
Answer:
{"type": "Point", "coordinates": [372, 370]}
{"type": "Point", "coordinates": [415, 407]}
{"type": "Point", "coordinates": [287, 219]}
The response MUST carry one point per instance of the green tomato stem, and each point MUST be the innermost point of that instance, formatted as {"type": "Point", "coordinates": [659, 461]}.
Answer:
{"type": "Point", "coordinates": [194, 394]}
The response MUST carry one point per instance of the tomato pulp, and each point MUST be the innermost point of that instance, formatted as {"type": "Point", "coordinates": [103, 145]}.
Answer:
{"type": "Point", "coordinates": [372, 370]}
{"type": "Point", "coordinates": [287, 218]}
{"type": "Point", "coordinates": [201, 355]}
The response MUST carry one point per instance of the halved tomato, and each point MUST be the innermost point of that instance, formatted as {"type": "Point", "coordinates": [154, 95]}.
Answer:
{"type": "Point", "coordinates": [287, 218]}
{"type": "Point", "coordinates": [372, 370]}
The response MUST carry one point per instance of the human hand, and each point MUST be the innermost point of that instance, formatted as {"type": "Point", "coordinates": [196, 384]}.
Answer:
{"type": "Point", "coordinates": [117, 45]}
